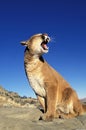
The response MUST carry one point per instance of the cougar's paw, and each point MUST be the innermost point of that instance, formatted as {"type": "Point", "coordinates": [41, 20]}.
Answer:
{"type": "Point", "coordinates": [49, 117]}
{"type": "Point", "coordinates": [46, 118]}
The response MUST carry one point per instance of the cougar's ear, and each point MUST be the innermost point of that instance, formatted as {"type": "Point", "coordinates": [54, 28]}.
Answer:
{"type": "Point", "coordinates": [24, 43]}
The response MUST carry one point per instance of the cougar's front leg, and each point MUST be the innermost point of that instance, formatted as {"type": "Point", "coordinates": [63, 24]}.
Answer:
{"type": "Point", "coordinates": [51, 102]}
{"type": "Point", "coordinates": [42, 102]}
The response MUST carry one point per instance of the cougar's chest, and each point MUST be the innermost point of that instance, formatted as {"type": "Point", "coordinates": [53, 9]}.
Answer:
{"type": "Point", "coordinates": [37, 83]}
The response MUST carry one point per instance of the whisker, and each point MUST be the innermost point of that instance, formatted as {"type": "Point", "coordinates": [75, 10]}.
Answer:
{"type": "Point", "coordinates": [53, 39]}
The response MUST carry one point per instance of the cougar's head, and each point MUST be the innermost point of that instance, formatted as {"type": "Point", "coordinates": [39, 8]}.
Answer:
{"type": "Point", "coordinates": [37, 44]}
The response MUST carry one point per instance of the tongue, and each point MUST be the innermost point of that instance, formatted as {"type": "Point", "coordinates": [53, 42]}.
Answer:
{"type": "Point", "coordinates": [45, 46]}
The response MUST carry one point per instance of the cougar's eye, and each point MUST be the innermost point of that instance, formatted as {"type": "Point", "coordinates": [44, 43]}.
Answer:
{"type": "Point", "coordinates": [43, 37]}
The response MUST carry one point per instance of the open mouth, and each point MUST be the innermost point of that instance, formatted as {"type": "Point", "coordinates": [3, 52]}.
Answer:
{"type": "Point", "coordinates": [44, 45]}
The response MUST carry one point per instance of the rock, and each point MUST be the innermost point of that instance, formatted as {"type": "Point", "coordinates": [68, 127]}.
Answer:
{"type": "Point", "coordinates": [28, 119]}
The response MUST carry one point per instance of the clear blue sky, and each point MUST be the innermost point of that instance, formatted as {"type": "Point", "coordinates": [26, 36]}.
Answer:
{"type": "Point", "coordinates": [63, 20]}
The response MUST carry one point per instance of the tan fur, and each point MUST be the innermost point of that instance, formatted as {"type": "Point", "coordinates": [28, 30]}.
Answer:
{"type": "Point", "coordinates": [54, 93]}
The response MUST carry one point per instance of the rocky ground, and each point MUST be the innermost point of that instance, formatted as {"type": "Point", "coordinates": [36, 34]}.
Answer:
{"type": "Point", "coordinates": [22, 113]}
{"type": "Point", "coordinates": [28, 119]}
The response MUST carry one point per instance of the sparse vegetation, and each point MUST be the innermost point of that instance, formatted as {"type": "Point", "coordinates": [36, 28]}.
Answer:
{"type": "Point", "coordinates": [13, 99]}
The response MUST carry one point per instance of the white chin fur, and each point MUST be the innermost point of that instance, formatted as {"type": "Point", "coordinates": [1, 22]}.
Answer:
{"type": "Point", "coordinates": [44, 51]}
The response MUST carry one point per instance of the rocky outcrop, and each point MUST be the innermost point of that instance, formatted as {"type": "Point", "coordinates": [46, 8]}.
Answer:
{"type": "Point", "coordinates": [9, 99]}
